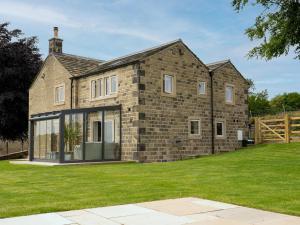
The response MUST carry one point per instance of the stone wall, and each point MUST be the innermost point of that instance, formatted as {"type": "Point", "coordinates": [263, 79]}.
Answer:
{"type": "Point", "coordinates": [234, 115]}
{"type": "Point", "coordinates": [163, 126]}
{"type": "Point", "coordinates": [41, 93]}
{"type": "Point", "coordinates": [127, 96]}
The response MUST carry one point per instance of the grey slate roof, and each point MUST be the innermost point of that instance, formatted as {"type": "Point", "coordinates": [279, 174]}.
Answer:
{"type": "Point", "coordinates": [127, 59]}
{"type": "Point", "coordinates": [77, 65]}
{"type": "Point", "coordinates": [214, 65]}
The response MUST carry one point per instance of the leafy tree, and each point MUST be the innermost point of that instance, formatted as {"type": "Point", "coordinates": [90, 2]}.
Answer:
{"type": "Point", "coordinates": [278, 26]}
{"type": "Point", "coordinates": [286, 102]}
{"type": "Point", "coordinates": [19, 63]}
{"type": "Point", "coordinates": [259, 104]}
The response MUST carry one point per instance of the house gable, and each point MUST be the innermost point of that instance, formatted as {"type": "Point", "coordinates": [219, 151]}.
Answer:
{"type": "Point", "coordinates": [41, 92]}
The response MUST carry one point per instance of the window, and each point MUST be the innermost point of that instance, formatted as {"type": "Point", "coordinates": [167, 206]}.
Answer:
{"type": "Point", "coordinates": [104, 87]}
{"type": "Point", "coordinates": [97, 134]}
{"type": "Point", "coordinates": [229, 94]}
{"type": "Point", "coordinates": [220, 129]}
{"type": "Point", "coordinates": [114, 84]}
{"type": "Point", "coordinates": [195, 127]}
{"type": "Point", "coordinates": [202, 88]}
{"type": "Point", "coordinates": [168, 82]}
{"type": "Point", "coordinates": [107, 86]}
{"type": "Point", "coordinates": [96, 88]}
{"type": "Point", "coordinates": [59, 94]}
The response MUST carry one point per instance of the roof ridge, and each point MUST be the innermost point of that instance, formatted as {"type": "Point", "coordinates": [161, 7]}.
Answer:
{"type": "Point", "coordinates": [79, 57]}
{"type": "Point", "coordinates": [218, 62]}
{"type": "Point", "coordinates": [142, 51]}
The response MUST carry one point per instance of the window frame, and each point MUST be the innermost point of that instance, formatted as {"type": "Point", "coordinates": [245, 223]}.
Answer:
{"type": "Point", "coordinates": [56, 87]}
{"type": "Point", "coordinates": [173, 83]}
{"type": "Point", "coordinates": [194, 119]}
{"type": "Point", "coordinates": [223, 122]}
{"type": "Point", "coordinates": [205, 88]}
{"type": "Point", "coordinates": [102, 80]}
{"type": "Point", "coordinates": [233, 94]}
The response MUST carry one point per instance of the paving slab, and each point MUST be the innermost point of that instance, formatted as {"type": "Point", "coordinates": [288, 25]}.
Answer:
{"type": "Point", "coordinates": [89, 218]}
{"type": "Point", "coordinates": [247, 215]}
{"type": "Point", "coordinates": [120, 211]}
{"type": "Point", "coordinates": [183, 211]}
{"type": "Point", "coordinates": [179, 207]}
{"type": "Point", "coordinates": [154, 218]}
{"type": "Point", "coordinates": [40, 219]}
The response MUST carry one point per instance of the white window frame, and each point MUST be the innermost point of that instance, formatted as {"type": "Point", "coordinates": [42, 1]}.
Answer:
{"type": "Point", "coordinates": [201, 82]}
{"type": "Point", "coordinates": [194, 119]}
{"type": "Point", "coordinates": [221, 121]}
{"type": "Point", "coordinates": [58, 101]}
{"type": "Point", "coordinates": [231, 102]}
{"type": "Point", "coordinates": [104, 84]}
{"type": "Point", "coordinates": [171, 86]}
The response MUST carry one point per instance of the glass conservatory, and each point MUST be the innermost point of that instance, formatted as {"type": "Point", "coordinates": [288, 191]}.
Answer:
{"type": "Point", "coordinates": [76, 135]}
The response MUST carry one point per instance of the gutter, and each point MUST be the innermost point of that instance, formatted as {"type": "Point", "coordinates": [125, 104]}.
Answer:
{"type": "Point", "coordinates": [212, 113]}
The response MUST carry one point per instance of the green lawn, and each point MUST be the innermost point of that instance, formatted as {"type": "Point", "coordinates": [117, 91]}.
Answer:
{"type": "Point", "coordinates": [265, 177]}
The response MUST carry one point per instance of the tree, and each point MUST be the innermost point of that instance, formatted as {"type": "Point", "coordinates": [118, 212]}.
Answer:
{"type": "Point", "coordinates": [19, 63]}
{"type": "Point", "coordinates": [259, 104]}
{"type": "Point", "coordinates": [286, 102]}
{"type": "Point", "coordinates": [278, 26]}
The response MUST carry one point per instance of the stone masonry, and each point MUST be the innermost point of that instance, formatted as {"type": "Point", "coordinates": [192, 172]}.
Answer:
{"type": "Point", "coordinates": [155, 126]}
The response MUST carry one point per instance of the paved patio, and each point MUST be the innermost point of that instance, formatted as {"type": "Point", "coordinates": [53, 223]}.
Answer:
{"type": "Point", "coordinates": [183, 211]}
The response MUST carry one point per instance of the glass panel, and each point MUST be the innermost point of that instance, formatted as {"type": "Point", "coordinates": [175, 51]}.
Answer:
{"type": "Point", "coordinates": [46, 139]}
{"type": "Point", "coordinates": [93, 143]}
{"type": "Point", "coordinates": [220, 129]}
{"type": "Point", "coordinates": [43, 139]}
{"type": "Point", "coordinates": [195, 127]}
{"type": "Point", "coordinates": [168, 82]}
{"type": "Point", "coordinates": [202, 88]}
{"type": "Point", "coordinates": [114, 84]}
{"type": "Point", "coordinates": [107, 86]}
{"type": "Point", "coordinates": [73, 137]}
{"type": "Point", "coordinates": [36, 145]}
{"type": "Point", "coordinates": [229, 94]}
{"type": "Point", "coordinates": [112, 135]}
{"type": "Point", "coordinates": [53, 153]}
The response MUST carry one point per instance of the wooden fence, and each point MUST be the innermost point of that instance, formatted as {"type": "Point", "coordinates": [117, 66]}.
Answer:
{"type": "Point", "coordinates": [283, 129]}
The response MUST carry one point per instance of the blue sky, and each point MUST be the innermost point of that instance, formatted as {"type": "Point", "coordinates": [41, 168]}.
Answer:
{"type": "Point", "coordinates": [105, 29]}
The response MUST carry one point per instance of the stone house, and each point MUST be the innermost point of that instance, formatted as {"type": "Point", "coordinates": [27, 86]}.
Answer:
{"type": "Point", "coordinates": [160, 104]}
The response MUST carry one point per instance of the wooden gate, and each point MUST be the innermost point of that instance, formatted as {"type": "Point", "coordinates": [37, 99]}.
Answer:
{"type": "Point", "coordinates": [285, 129]}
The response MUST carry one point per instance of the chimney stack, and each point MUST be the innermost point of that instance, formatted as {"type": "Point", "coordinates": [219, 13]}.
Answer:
{"type": "Point", "coordinates": [55, 43]}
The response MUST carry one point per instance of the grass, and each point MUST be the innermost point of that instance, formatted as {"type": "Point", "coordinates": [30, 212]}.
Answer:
{"type": "Point", "coordinates": [263, 176]}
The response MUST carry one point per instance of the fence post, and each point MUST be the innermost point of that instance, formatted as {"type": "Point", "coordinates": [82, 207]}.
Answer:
{"type": "Point", "coordinates": [256, 131]}
{"type": "Point", "coordinates": [287, 128]}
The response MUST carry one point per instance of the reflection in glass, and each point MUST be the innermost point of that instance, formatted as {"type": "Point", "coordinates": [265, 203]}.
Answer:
{"type": "Point", "coordinates": [73, 133]}
{"type": "Point", "coordinates": [46, 139]}
{"type": "Point", "coordinates": [93, 144]}
{"type": "Point", "coordinates": [112, 135]}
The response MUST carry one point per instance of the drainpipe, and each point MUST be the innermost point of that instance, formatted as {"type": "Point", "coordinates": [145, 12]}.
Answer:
{"type": "Point", "coordinates": [212, 114]}
{"type": "Point", "coordinates": [71, 102]}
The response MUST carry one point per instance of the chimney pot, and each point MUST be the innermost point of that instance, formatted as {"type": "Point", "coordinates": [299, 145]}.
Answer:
{"type": "Point", "coordinates": [55, 31]}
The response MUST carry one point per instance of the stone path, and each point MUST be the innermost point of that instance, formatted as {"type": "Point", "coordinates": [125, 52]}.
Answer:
{"type": "Point", "coordinates": [183, 211]}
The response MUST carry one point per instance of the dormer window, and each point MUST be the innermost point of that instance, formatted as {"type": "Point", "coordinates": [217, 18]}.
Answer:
{"type": "Point", "coordinates": [59, 94]}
